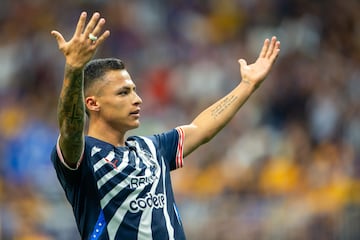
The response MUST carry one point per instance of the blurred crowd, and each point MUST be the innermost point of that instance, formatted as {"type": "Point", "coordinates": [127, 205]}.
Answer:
{"type": "Point", "coordinates": [287, 167]}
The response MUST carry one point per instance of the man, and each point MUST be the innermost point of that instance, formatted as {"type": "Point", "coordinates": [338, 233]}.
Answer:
{"type": "Point", "coordinates": [120, 188]}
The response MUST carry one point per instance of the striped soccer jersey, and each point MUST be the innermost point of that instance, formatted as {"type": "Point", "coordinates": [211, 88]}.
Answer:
{"type": "Point", "coordinates": [125, 192]}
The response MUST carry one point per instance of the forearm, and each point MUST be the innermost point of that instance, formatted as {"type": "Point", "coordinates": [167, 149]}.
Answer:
{"type": "Point", "coordinates": [210, 121]}
{"type": "Point", "coordinates": [71, 114]}
{"type": "Point", "coordinates": [214, 118]}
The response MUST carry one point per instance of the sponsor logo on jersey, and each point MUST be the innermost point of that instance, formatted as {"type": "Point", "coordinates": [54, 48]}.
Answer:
{"type": "Point", "coordinates": [150, 201]}
{"type": "Point", "coordinates": [140, 181]}
{"type": "Point", "coordinates": [114, 163]}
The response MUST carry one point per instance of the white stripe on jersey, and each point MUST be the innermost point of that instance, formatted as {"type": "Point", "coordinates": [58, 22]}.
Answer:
{"type": "Point", "coordinates": [166, 214]}
{"type": "Point", "coordinates": [145, 221]}
{"type": "Point", "coordinates": [107, 198]}
{"type": "Point", "coordinates": [120, 186]}
{"type": "Point", "coordinates": [113, 172]}
{"type": "Point", "coordinates": [146, 217]}
{"type": "Point", "coordinates": [118, 217]}
{"type": "Point", "coordinates": [99, 164]}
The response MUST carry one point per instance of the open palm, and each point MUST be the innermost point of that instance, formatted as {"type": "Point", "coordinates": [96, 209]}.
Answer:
{"type": "Point", "coordinates": [80, 49]}
{"type": "Point", "coordinates": [255, 73]}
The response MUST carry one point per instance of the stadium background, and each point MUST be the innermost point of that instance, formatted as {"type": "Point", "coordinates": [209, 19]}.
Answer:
{"type": "Point", "coordinates": [286, 167]}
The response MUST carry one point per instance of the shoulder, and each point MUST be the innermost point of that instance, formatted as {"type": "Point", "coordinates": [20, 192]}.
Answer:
{"type": "Point", "coordinates": [173, 133]}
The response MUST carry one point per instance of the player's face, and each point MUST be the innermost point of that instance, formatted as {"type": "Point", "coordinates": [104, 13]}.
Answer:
{"type": "Point", "coordinates": [119, 103]}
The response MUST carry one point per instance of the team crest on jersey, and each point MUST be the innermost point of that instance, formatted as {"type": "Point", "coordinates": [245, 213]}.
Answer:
{"type": "Point", "coordinates": [151, 173]}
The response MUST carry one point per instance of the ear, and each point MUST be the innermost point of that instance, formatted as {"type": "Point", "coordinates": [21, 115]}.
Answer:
{"type": "Point", "coordinates": [92, 104]}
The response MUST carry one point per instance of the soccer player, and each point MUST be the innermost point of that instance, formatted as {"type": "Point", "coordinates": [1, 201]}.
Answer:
{"type": "Point", "coordinates": [120, 188]}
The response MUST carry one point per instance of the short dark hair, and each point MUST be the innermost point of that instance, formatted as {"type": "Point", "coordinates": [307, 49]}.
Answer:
{"type": "Point", "coordinates": [97, 68]}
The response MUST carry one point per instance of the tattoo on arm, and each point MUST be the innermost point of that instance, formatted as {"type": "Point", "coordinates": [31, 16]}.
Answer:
{"type": "Point", "coordinates": [74, 116]}
{"type": "Point", "coordinates": [224, 104]}
{"type": "Point", "coordinates": [71, 107]}
{"type": "Point", "coordinates": [71, 114]}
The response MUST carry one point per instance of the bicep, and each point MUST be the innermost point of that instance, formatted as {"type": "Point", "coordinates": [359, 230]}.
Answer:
{"type": "Point", "coordinates": [194, 138]}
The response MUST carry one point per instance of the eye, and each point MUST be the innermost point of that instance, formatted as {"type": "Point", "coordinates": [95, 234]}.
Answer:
{"type": "Point", "coordinates": [123, 92]}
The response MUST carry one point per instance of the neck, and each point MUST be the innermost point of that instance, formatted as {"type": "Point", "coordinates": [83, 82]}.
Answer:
{"type": "Point", "coordinates": [106, 134]}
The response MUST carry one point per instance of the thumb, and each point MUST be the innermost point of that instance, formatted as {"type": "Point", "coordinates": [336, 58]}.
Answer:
{"type": "Point", "coordinates": [59, 38]}
{"type": "Point", "coordinates": [242, 63]}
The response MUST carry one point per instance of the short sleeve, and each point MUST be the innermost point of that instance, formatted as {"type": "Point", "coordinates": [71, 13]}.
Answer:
{"type": "Point", "coordinates": [170, 146]}
{"type": "Point", "coordinates": [65, 174]}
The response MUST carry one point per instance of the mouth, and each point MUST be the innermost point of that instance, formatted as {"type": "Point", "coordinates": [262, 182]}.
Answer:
{"type": "Point", "coordinates": [135, 113]}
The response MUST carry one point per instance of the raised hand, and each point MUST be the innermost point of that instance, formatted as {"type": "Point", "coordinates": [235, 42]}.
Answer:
{"type": "Point", "coordinates": [87, 38]}
{"type": "Point", "coordinates": [255, 73]}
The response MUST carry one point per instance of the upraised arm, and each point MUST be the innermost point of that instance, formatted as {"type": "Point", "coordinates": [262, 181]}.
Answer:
{"type": "Point", "coordinates": [78, 51]}
{"type": "Point", "coordinates": [209, 122]}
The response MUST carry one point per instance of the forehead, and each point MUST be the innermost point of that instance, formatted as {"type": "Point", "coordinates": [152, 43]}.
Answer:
{"type": "Point", "coordinates": [117, 78]}
{"type": "Point", "coordinates": [110, 82]}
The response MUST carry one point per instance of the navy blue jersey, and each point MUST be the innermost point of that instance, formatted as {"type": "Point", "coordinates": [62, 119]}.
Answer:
{"type": "Point", "coordinates": [125, 192]}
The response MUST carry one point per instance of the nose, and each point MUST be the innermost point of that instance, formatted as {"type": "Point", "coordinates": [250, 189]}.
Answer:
{"type": "Point", "coordinates": [137, 100]}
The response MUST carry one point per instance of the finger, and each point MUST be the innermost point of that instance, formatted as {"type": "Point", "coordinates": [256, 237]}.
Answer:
{"type": "Point", "coordinates": [98, 27]}
{"type": "Point", "coordinates": [102, 38]}
{"type": "Point", "coordinates": [81, 24]}
{"type": "Point", "coordinates": [91, 25]}
{"type": "Point", "coordinates": [276, 51]}
{"type": "Point", "coordinates": [264, 48]}
{"type": "Point", "coordinates": [271, 47]}
{"type": "Point", "coordinates": [59, 38]}
{"type": "Point", "coordinates": [242, 63]}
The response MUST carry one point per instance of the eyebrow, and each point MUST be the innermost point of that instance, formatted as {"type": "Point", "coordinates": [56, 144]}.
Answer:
{"type": "Point", "coordinates": [127, 88]}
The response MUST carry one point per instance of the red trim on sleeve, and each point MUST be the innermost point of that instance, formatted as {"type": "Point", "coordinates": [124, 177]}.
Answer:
{"type": "Point", "coordinates": [180, 148]}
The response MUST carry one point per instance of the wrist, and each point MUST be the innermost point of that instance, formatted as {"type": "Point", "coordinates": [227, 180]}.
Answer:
{"type": "Point", "coordinates": [73, 74]}
{"type": "Point", "coordinates": [73, 68]}
{"type": "Point", "coordinates": [248, 85]}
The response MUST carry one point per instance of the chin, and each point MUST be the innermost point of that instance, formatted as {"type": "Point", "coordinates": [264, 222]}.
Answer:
{"type": "Point", "coordinates": [135, 125]}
